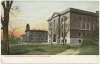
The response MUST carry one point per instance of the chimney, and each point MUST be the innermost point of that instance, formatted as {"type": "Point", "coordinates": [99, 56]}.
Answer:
{"type": "Point", "coordinates": [97, 12]}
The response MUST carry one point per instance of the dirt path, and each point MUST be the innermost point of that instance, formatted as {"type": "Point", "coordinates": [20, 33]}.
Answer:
{"type": "Point", "coordinates": [69, 52]}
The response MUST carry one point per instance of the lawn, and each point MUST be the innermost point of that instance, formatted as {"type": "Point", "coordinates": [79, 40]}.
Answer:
{"type": "Point", "coordinates": [88, 50]}
{"type": "Point", "coordinates": [42, 49]}
{"type": "Point", "coordinates": [47, 49]}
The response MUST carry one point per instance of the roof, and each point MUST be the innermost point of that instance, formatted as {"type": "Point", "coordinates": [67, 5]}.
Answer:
{"type": "Point", "coordinates": [38, 31]}
{"type": "Point", "coordinates": [75, 11]}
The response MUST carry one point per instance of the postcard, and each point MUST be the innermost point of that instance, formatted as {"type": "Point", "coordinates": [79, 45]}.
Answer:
{"type": "Point", "coordinates": [50, 31]}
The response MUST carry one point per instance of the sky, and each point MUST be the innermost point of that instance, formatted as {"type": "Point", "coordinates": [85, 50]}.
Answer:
{"type": "Point", "coordinates": [36, 13]}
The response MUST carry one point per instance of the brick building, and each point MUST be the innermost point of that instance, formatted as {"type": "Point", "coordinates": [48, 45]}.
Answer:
{"type": "Point", "coordinates": [78, 24]}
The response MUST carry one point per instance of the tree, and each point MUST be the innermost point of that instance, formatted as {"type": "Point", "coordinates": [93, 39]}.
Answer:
{"type": "Point", "coordinates": [65, 30]}
{"type": "Point", "coordinates": [95, 35]}
{"type": "Point", "coordinates": [51, 36]}
{"type": "Point", "coordinates": [5, 21]}
{"type": "Point", "coordinates": [14, 28]}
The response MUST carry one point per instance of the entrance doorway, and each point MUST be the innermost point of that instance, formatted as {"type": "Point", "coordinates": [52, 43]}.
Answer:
{"type": "Point", "coordinates": [54, 38]}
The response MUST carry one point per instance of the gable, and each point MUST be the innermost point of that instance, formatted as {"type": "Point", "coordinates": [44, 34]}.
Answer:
{"type": "Point", "coordinates": [55, 14]}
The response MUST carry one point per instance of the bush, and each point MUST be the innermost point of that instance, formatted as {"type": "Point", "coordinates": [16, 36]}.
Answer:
{"type": "Point", "coordinates": [13, 40]}
{"type": "Point", "coordinates": [87, 41]}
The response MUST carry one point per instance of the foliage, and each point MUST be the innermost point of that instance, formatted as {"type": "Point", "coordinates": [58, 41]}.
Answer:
{"type": "Point", "coordinates": [88, 50]}
{"type": "Point", "coordinates": [13, 40]}
{"type": "Point", "coordinates": [95, 34]}
{"type": "Point", "coordinates": [87, 41]}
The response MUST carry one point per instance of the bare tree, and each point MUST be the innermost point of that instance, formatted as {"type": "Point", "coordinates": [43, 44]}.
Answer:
{"type": "Point", "coordinates": [6, 7]}
{"type": "Point", "coordinates": [51, 36]}
{"type": "Point", "coordinates": [7, 4]}
{"type": "Point", "coordinates": [14, 28]}
{"type": "Point", "coordinates": [66, 29]}
{"type": "Point", "coordinates": [51, 33]}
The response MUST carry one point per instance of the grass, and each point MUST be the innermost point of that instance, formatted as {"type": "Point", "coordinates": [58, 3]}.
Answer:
{"type": "Point", "coordinates": [88, 50]}
{"type": "Point", "coordinates": [43, 49]}
{"type": "Point", "coordinates": [47, 49]}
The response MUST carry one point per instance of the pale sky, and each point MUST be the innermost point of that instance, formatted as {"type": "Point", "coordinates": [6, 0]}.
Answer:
{"type": "Point", "coordinates": [36, 13]}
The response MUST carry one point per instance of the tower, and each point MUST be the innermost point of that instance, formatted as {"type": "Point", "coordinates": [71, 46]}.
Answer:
{"type": "Point", "coordinates": [27, 35]}
{"type": "Point", "coordinates": [27, 27]}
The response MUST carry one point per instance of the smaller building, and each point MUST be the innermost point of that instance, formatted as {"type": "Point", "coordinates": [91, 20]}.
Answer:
{"type": "Point", "coordinates": [37, 36]}
{"type": "Point", "coordinates": [22, 38]}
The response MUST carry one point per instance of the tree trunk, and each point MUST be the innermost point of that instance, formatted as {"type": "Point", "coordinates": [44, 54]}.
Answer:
{"type": "Point", "coordinates": [51, 37]}
{"type": "Point", "coordinates": [63, 41]}
{"type": "Point", "coordinates": [5, 34]}
{"type": "Point", "coordinates": [5, 40]}
{"type": "Point", "coordinates": [51, 41]}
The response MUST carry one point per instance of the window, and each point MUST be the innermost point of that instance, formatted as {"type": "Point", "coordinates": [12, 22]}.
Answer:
{"type": "Point", "coordinates": [61, 19]}
{"type": "Point", "coordinates": [65, 40]}
{"type": "Point", "coordinates": [79, 25]}
{"type": "Point", "coordinates": [91, 26]}
{"type": "Point", "coordinates": [83, 18]}
{"type": "Point", "coordinates": [87, 26]}
{"type": "Point", "coordinates": [88, 19]}
{"type": "Point", "coordinates": [79, 41]}
{"type": "Point", "coordinates": [31, 38]}
{"type": "Point", "coordinates": [83, 26]}
{"type": "Point", "coordinates": [31, 35]}
{"type": "Point", "coordinates": [83, 34]}
{"type": "Point", "coordinates": [92, 20]}
{"type": "Point", "coordinates": [62, 26]}
{"type": "Point", "coordinates": [65, 18]}
{"type": "Point", "coordinates": [54, 24]}
{"type": "Point", "coordinates": [46, 38]}
{"type": "Point", "coordinates": [96, 21]}
{"type": "Point", "coordinates": [79, 18]}
{"type": "Point", "coordinates": [62, 34]}
{"type": "Point", "coordinates": [79, 34]}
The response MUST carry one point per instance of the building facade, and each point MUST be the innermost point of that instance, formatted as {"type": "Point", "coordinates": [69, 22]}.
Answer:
{"type": "Point", "coordinates": [34, 36]}
{"type": "Point", "coordinates": [22, 38]}
{"type": "Point", "coordinates": [72, 23]}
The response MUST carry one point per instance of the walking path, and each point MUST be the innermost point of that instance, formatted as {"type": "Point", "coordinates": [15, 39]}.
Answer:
{"type": "Point", "coordinates": [69, 52]}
